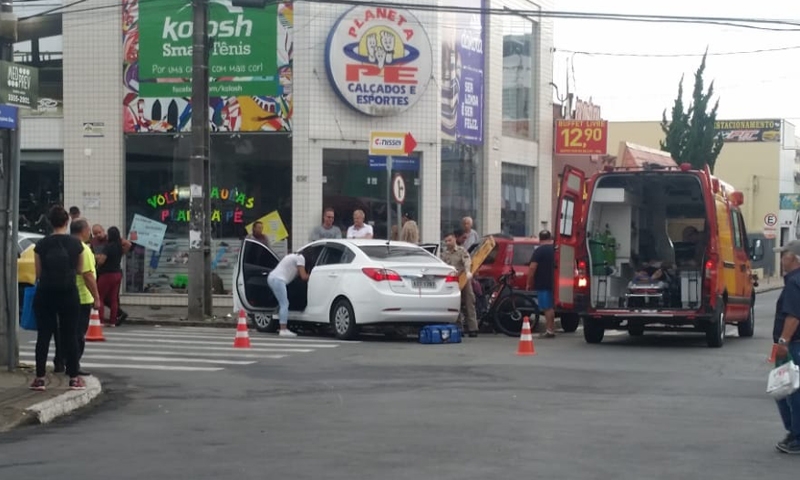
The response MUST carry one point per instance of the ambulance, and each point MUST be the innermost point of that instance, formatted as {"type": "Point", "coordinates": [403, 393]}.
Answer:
{"type": "Point", "coordinates": [654, 248]}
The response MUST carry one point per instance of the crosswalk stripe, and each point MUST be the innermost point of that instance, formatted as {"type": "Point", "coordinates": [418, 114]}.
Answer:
{"type": "Point", "coordinates": [231, 332]}
{"type": "Point", "coordinates": [128, 366]}
{"type": "Point", "coordinates": [155, 359]}
{"type": "Point", "coordinates": [92, 349]}
{"type": "Point", "coordinates": [253, 338]}
{"type": "Point", "coordinates": [229, 342]}
{"type": "Point", "coordinates": [188, 347]}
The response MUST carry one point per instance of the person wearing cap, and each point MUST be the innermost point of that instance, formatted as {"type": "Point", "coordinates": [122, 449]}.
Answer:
{"type": "Point", "coordinates": [541, 278]}
{"type": "Point", "coordinates": [786, 335]}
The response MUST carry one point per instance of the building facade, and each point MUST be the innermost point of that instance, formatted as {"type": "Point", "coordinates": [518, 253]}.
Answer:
{"type": "Point", "coordinates": [759, 158]}
{"type": "Point", "coordinates": [296, 91]}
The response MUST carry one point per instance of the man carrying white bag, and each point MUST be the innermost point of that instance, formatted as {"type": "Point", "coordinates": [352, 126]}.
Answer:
{"type": "Point", "coordinates": [784, 380]}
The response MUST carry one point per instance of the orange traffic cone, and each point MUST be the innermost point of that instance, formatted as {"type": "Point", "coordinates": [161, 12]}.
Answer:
{"type": "Point", "coordinates": [773, 354]}
{"type": "Point", "coordinates": [95, 332]}
{"type": "Point", "coordinates": [526, 339]}
{"type": "Point", "coordinates": [242, 339]}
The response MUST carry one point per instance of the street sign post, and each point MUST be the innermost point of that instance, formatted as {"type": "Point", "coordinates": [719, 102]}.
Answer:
{"type": "Point", "coordinates": [399, 193]}
{"type": "Point", "coordinates": [770, 226]}
{"type": "Point", "coordinates": [392, 144]}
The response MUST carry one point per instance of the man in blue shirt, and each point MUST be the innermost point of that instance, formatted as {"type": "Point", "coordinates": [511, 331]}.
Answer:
{"type": "Point", "coordinates": [786, 335]}
{"type": "Point", "coordinates": [541, 278]}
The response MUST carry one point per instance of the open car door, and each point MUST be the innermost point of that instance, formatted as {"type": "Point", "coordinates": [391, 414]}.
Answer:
{"type": "Point", "coordinates": [567, 235]}
{"type": "Point", "coordinates": [256, 260]}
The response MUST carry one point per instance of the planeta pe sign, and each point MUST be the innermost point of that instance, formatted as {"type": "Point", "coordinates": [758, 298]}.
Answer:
{"type": "Point", "coordinates": [243, 55]}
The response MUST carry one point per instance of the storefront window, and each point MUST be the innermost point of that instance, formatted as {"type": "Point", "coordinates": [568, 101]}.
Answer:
{"type": "Point", "coordinates": [41, 184]}
{"type": "Point", "coordinates": [351, 183]}
{"type": "Point", "coordinates": [517, 182]}
{"type": "Point", "coordinates": [520, 92]}
{"type": "Point", "coordinates": [250, 179]}
{"type": "Point", "coordinates": [460, 184]}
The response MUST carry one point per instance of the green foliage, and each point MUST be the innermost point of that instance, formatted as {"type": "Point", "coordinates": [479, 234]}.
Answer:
{"type": "Point", "coordinates": [690, 136]}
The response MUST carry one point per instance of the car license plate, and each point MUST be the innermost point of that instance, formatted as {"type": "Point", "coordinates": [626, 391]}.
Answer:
{"type": "Point", "coordinates": [424, 284]}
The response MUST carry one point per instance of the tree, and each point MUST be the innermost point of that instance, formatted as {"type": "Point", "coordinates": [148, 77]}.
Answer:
{"type": "Point", "coordinates": [690, 136]}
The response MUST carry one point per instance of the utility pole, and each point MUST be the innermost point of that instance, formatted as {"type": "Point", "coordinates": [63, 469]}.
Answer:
{"type": "Point", "coordinates": [200, 171]}
{"type": "Point", "coordinates": [9, 206]}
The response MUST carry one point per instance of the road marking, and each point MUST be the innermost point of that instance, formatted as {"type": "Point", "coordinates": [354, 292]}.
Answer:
{"type": "Point", "coordinates": [253, 338]}
{"type": "Point", "coordinates": [171, 368]}
{"type": "Point", "coordinates": [198, 346]}
{"type": "Point", "coordinates": [225, 331]}
{"type": "Point", "coordinates": [92, 349]}
{"type": "Point", "coordinates": [154, 359]}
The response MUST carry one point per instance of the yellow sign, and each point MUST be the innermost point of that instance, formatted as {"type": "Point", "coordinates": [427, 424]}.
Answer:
{"type": "Point", "coordinates": [387, 143]}
{"type": "Point", "coordinates": [477, 259]}
{"type": "Point", "coordinates": [274, 228]}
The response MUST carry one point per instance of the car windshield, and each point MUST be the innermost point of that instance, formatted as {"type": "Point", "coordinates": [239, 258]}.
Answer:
{"type": "Point", "coordinates": [398, 253]}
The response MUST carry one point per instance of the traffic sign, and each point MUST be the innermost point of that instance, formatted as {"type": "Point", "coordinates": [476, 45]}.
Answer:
{"type": "Point", "coordinates": [399, 188]}
{"type": "Point", "coordinates": [770, 220]}
{"type": "Point", "coordinates": [394, 144]}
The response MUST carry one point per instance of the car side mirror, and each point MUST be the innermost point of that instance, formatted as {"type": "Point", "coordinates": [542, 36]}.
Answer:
{"type": "Point", "coordinates": [757, 250]}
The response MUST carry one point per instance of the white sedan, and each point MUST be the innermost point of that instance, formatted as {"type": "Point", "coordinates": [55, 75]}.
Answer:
{"type": "Point", "coordinates": [352, 283]}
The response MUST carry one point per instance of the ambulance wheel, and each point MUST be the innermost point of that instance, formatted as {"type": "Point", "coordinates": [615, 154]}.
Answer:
{"type": "Point", "coordinates": [715, 334]}
{"type": "Point", "coordinates": [748, 327]}
{"type": "Point", "coordinates": [265, 323]}
{"type": "Point", "coordinates": [593, 331]}
{"type": "Point", "coordinates": [570, 322]}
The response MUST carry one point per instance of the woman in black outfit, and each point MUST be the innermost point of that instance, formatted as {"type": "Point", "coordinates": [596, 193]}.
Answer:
{"type": "Point", "coordinates": [109, 274]}
{"type": "Point", "coordinates": [56, 304]}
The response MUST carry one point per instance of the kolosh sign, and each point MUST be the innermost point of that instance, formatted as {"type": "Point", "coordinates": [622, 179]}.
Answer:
{"type": "Point", "coordinates": [379, 60]}
{"type": "Point", "coordinates": [19, 85]}
{"type": "Point", "coordinates": [243, 52]}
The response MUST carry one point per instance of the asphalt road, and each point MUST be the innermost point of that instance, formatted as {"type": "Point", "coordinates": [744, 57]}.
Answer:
{"type": "Point", "coordinates": [659, 406]}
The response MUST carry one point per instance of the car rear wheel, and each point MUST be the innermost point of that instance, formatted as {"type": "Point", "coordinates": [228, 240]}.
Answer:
{"type": "Point", "coordinates": [570, 322]}
{"type": "Point", "coordinates": [265, 323]}
{"type": "Point", "coordinates": [748, 327]}
{"type": "Point", "coordinates": [343, 320]}
{"type": "Point", "coordinates": [593, 331]}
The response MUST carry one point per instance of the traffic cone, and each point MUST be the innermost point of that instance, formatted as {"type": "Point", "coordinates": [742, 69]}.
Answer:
{"type": "Point", "coordinates": [773, 354]}
{"type": "Point", "coordinates": [242, 339]}
{"type": "Point", "coordinates": [526, 339]}
{"type": "Point", "coordinates": [95, 332]}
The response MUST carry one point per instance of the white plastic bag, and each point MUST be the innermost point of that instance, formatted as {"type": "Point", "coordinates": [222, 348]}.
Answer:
{"type": "Point", "coordinates": [783, 380]}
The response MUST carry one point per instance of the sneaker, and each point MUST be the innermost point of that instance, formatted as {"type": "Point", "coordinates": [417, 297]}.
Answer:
{"type": "Point", "coordinates": [784, 442]}
{"type": "Point", "coordinates": [547, 335]}
{"type": "Point", "coordinates": [77, 383]}
{"type": "Point", "coordinates": [287, 333]}
{"type": "Point", "coordinates": [792, 447]}
{"type": "Point", "coordinates": [37, 384]}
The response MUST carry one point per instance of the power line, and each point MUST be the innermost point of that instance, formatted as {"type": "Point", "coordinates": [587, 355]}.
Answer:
{"type": "Point", "coordinates": [757, 23]}
{"type": "Point", "coordinates": [676, 55]}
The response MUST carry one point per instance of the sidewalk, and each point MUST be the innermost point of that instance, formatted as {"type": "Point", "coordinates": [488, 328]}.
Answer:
{"type": "Point", "coordinates": [21, 406]}
{"type": "Point", "coordinates": [769, 284]}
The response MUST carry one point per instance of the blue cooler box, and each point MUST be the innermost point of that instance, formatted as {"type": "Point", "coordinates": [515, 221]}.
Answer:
{"type": "Point", "coordinates": [435, 334]}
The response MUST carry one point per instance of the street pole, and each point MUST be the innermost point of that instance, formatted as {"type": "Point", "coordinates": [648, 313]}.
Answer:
{"type": "Point", "coordinates": [199, 171]}
{"type": "Point", "coordinates": [389, 198]}
{"type": "Point", "coordinates": [9, 207]}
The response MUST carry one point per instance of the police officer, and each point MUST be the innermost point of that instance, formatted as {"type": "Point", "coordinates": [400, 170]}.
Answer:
{"type": "Point", "coordinates": [458, 258]}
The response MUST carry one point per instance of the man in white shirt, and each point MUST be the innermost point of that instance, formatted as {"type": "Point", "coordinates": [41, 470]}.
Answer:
{"type": "Point", "coordinates": [359, 228]}
{"type": "Point", "coordinates": [287, 270]}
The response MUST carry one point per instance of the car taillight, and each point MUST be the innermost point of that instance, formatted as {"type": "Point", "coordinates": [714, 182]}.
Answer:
{"type": "Point", "coordinates": [581, 278]}
{"type": "Point", "coordinates": [382, 274]}
{"type": "Point", "coordinates": [709, 276]}
{"type": "Point", "coordinates": [709, 270]}
{"type": "Point", "coordinates": [452, 277]}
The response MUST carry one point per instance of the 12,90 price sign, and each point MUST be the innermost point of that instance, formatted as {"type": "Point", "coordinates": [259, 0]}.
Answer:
{"type": "Point", "coordinates": [581, 137]}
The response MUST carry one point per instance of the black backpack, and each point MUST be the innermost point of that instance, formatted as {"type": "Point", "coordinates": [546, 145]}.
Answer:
{"type": "Point", "coordinates": [58, 269]}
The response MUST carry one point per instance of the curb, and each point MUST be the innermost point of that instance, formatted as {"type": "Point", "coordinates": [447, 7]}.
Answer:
{"type": "Point", "coordinates": [68, 402]}
{"type": "Point", "coordinates": [771, 288]}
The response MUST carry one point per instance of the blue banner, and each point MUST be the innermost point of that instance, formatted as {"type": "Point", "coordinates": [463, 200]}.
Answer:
{"type": "Point", "coordinates": [378, 162]}
{"type": "Point", "coordinates": [8, 117]}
